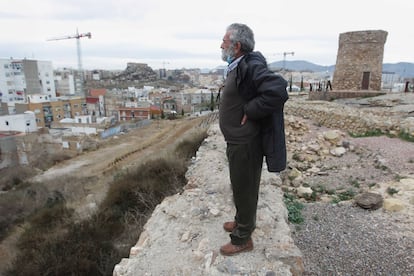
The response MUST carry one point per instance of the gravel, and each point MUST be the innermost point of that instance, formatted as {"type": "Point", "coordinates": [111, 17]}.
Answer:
{"type": "Point", "coordinates": [347, 240]}
{"type": "Point", "coordinates": [344, 239]}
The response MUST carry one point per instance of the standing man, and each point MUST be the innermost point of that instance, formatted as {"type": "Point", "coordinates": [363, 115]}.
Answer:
{"type": "Point", "coordinates": [251, 120]}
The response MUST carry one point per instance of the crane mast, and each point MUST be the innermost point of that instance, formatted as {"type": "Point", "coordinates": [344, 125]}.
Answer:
{"type": "Point", "coordinates": [284, 58]}
{"type": "Point", "coordinates": [77, 36]}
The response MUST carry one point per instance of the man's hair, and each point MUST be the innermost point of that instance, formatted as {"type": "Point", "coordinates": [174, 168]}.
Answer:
{"type": "Point", "coordinates": [243, 34]}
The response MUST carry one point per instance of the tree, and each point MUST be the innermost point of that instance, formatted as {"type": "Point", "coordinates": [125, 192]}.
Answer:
{"type": "Point", "coordinates": [212, 101]}
{"type": "Point", "coordinates": [301, 84]}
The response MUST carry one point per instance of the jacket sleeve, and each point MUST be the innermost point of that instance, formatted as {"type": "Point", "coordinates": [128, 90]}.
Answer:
{"type": "Point", "coordinates": [270, 92]}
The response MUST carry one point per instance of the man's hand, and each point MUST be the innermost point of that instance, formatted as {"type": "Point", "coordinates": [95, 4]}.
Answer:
{"type": "Point", "coordinates": [244, 119]}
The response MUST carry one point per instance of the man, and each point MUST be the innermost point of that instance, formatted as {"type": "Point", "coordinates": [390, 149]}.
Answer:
{"type": "Point", "coordinates": [251, 120]}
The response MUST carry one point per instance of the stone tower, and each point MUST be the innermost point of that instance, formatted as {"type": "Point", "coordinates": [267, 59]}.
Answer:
{"type": "Point", "coordinates": [359, 61]}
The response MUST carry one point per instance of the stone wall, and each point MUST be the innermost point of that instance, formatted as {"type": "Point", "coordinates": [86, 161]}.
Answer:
{"type": "Point", "coordinates": [359, 53]}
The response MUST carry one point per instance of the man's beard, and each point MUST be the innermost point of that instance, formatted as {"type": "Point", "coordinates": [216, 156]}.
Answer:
{"type": "Point", "coordinates": [227, 54]}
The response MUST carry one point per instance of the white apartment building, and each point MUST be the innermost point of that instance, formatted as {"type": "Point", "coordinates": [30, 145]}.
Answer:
{"type": "Point", "coordinates": [24, 77]}
{"type": "Point", "coordinates": [25, 122]}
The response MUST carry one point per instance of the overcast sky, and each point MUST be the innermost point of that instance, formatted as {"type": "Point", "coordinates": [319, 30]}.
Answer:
{"type": "Point", "coordinates": [188, 33]}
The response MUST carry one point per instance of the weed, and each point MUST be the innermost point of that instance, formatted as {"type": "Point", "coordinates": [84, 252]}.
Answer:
{"type": "Point", "coordinates": [391, 191]}
{"type": "Point", "coordinates": [343, 196]}
{"type": "Point", "coordinates": [294, 208]}
{"type": "Point", "coordinates": [368, 133]}
{"type": "Point", "coordinates": [354, 182]}
{"type": "Point", "coordinates": [296, 156]}
{"type": "Point", "coordinates": [371, 185]}
{"type": "Point", "coordinates": [406, 136]}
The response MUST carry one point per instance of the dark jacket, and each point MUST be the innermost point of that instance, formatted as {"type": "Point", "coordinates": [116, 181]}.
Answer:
{"type": "Point", "coordinates": [265, 93]}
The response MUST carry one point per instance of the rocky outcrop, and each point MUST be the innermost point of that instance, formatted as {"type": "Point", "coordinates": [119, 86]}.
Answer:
{"type": "Point", "coordinates": [184, 233]}
{"type": "Point", "coordinates": [137, 72]}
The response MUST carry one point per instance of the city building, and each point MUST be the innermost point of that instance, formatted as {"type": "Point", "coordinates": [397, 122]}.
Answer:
{"type": "Point", "coordinates": [49, 110]}
{"type": "Point", "coordinates": [24, 77]}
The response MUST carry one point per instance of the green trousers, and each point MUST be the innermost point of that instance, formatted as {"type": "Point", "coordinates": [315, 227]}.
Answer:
{"type": "Point", "coordinates": [245, 166]}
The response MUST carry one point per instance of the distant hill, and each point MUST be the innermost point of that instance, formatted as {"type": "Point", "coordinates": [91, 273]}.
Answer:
{"type": "Point", "coordinates": [403, 69]}
{"type": "Point", "coordinates": [301, 65]}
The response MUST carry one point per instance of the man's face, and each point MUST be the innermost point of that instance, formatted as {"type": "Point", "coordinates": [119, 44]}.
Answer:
{"type": "Point", "coordinates": [227, 48]}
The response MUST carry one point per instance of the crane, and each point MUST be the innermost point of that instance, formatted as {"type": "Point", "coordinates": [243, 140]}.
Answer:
{"type": "Point", "coordinates": [78, 36]}
{"type": "Point", "coordinates": [284, 58]}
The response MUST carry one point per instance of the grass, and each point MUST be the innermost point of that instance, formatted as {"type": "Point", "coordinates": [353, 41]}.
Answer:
{"type": "Point", "coordinates": [403, 135]}
{"type": "Point", "coordinates": [369, 133]}
{"type": "Point", "coordinates": [55, 242]}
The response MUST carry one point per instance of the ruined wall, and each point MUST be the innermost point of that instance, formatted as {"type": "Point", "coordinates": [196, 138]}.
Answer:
{"type": "Point", "coordinates": [349, 119]}
{"type": "Point", "coordinates": [359, 61]}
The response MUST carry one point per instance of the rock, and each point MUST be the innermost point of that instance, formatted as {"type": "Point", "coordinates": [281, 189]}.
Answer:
{"type": "Point", "coordinates": [331, 136]}
{"type": "Point", "coordinates": [339, 151]}
{"type": "Point", "coordinates": [393, 204]}
{"type": "Point", "coordinates": [294, 173]}
{"type": "Point", "coordinates": [304, 191]}
{"type": "Point", "coordinates": [407, 184]}
{"type": "Point", "coordinates": [371, 201]}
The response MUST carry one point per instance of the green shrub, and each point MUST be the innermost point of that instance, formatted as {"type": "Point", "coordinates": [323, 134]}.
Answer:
{"type": "Point", "coordinates": [294, 208]}
{"type": "Point", "coordinates": [391, 191]}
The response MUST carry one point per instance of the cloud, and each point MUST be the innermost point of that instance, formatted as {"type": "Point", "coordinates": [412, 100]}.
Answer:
{"type": "Point", "coordinates": [184, 31]}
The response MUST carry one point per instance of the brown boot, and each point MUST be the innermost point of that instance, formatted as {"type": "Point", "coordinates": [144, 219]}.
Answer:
{"type": "Point", "coordinates": [230, 249]}
{"type": "Point", "coordinates": [229, 226]}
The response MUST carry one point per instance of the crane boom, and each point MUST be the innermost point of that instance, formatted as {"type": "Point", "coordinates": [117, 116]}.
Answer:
{"type": "Point", "coordinates": [77, 36]}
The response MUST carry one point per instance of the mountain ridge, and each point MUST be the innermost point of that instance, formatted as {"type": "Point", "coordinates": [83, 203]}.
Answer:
{"type": "Point", "coordinates": [403, 69]}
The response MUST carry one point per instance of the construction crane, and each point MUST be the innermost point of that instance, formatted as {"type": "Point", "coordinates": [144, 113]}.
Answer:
{"type": "Point", "coordinates": [78, 36]}
{"type": "Point", "coordinates": [284, 58]}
